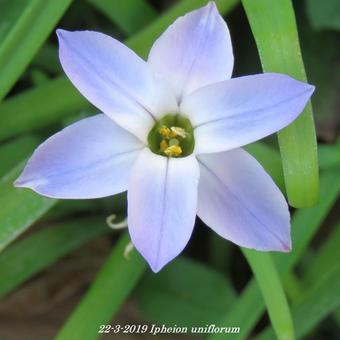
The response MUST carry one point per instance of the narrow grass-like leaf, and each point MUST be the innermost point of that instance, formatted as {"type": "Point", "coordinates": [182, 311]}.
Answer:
{"type": "Point", "coordinates": [24, 259]}
{"type": "Point", "coordinates": [267, 278]}
{"type": "Point", "coordinates": [37, 108]}
{"type": "Point", "coordinates": [321, 299]}
{"type": "Point", "coordinates": [329, 155]}
{"type": "Point", "coordinates": [169, 298]}
{"type": "Point", "coordinates": [248, 308]}
{"type": "Point", "coordinates": [25, 24]}
{"type": "Point", "coordinates": [129, 15]}
{"type": "Point", "coordinates": [20, 208]}
{"type": "Point", "coordinates": [293, 286]}
{"type": "Point", "coordinates": [274, 28]}
{"type": "Point", "coordinates": [113, 284]}
{"type": "Point", "coordinates": [327, 257]}
{"type": "Point", "coordinates": [306, 222]}
{"type": "Point", "coordinates": [14, 151]}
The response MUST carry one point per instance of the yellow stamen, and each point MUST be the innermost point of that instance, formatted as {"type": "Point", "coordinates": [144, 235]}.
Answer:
{"type": "Point", "coordinates": [178, 131]}
{"type": "Point", "coordinates": [163, 145]}
{"type": "Point", "coordinates": [173, 151]}
{"type": "Point", "coordinates": [165, 131]}
{"type": "Point", "coordinates": [170, 144]}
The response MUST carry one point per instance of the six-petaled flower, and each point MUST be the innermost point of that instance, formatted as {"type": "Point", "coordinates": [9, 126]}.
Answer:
{"type": "Point", "coordinates": [170, 134]}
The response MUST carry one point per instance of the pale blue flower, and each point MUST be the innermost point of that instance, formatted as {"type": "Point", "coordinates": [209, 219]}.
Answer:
{"type": "Point", "coordinates": [187, 163]}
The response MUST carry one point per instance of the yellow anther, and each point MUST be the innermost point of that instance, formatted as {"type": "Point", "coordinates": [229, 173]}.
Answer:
{"type": "Point", "coordinates": [165, 131]}
{"type": "Point", "coordinates": [170, 144]}
{"type": "Point", "coordinates": [163, 145]}
{"type": "Point", "coordinates": [173, 151]}
{"type": "Point", "coordinates": [178, 131]}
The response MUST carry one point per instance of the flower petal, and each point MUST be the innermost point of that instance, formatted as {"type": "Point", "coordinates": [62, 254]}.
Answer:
{"type": "Point", "coordinates": [88, 159]}
{"type": "Point", "coordinates": [242, 110]}
{"type": "Point", "coordinates": [162, 199]}
{"type": "Point", "coordinates": [239, 201]}
{"type": "Point", "coordinates": [194, 51]}
{"type": "Point", "coordinates": [115, 79]}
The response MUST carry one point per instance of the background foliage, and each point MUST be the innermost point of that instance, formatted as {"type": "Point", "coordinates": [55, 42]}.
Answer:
{"type": "Point", "coordinates": [62, 269]}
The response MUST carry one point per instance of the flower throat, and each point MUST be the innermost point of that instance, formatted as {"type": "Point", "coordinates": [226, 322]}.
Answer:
{"type": "Point", "coordinates": [172, 136]}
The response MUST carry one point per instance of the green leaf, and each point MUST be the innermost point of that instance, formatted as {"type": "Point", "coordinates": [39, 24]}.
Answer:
{"type": "Point", "coordinates": [24, 259]}
{"type": "Point", "coordinates": [20, 208]}
{"type": "Point", "coordinates": [249, 306]}
{"type": "Point", "coordinates": [329, 155]}
{"type": "Point", "coordinates": [37, 108]}
{"type": "Point", "coordinates": [306, 222]}
{"type": "Point", "coordinates": [267, 278]}
{"type": "Point", "coordinates": [25, 25]}
{"type": "Point", "coordinates": [14, 151]}
{"type": "Point", "coordinates": [321, 299]}
{"type": "Point", "coordinates": [324, 14]}
{"type": "Point", "coordinates": [274, 28]}
{"type": "Point", "coordinates": [327, 257]}
{"type": "Point", "coordinates": [129, 15]}
{"type": "Point", "coordinates": [113, 284]}
{"type": "Point", "coordinates": [293, 286]}
{"type": "Point", "coordinates": [185, 293]}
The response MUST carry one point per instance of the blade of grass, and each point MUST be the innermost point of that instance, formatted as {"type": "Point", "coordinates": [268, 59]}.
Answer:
{"type": "Point", "coordinates": [306, 222]}
{"type": "Point", "coordinates": [274, 28]}
{"type": "Point", "coordinates": [20, 208]}
{"type": "Point", "coordinates": [248, 308]}
{"type": "Point", "coordinates": [19, 114]}
{"type": "Point", "coordinates": [113, 284]}
{"type": "Point", "coordinates": [14, 151]}
{"type": "Point", "coordinates": [327, 256]}
{"type": "Point", "coordinates": [293, 286]}
{"type": "Point", "coordinates": [329, 155]}
{"type": "Point", "coordinates": [24, 259]}
{"type": "Point", "coordinates": [129, 15]}
{"type": "Point", "coordinates": [321, 299]}
{"type": "Point", "coordinates": [27, 24]}
{"type": "Point", "coordinates": [37, 108]}
{"type": "Point", "coordinates": [267, 278]}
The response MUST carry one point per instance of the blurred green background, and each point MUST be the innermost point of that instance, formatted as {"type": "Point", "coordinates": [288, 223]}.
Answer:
{"type": "Point", "coordinates": [52, 252]}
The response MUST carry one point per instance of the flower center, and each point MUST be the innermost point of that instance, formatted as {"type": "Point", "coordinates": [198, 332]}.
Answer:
{"type": "Point", "coordinates": [172, 136]}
